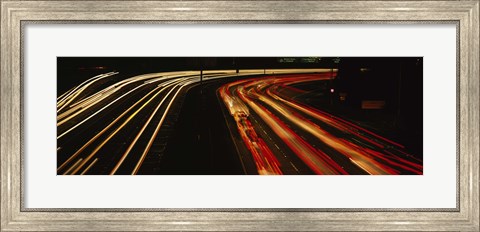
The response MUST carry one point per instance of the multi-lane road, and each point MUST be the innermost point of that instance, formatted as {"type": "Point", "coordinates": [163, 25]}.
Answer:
{"type": "Point", "coordinates": [126, 127]}
{"type": "Point", "coordinates": [286, 136]}
{"type": "Point", "coordinates": [115, 128]}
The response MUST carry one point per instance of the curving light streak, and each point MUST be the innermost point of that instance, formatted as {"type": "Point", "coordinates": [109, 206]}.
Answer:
{"type": "Point", "coordinates": [79, 151]}
{"type": "Point", "coordinates": [74, 111]}
{"type": "Point", "coordinates": [103, 108]}
{"type": "Point", "coordinates": [118, 129]}
{"type": "Point", "coordinates": [108, 91]}
{"type": "Point", "coordinates": [265, 90]}
{"type": "Point", "coordinates": [174, 80]}
{"type": "Point", "coordinates": [157, 129]}
{"type": "Point", "coordinates": [178, 82]}
{"type": "Point", "coordinates": [265, 161]}
{"type": "Point", "coordinates": [361, 158]}
{"type": "Point", "coordinates": [302, 149]}
{"type": "Point", "coordinates": [78, 90]}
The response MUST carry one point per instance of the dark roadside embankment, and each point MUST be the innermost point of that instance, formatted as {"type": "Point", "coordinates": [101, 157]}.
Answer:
{"type": "Point", "coordinates": [201, 143]}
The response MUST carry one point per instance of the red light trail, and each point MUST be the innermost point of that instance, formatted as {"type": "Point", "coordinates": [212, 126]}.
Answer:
{"type": "Point", "coordinates": [266, 99]}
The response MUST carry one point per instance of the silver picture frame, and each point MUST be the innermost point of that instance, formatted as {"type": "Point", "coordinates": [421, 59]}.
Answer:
{"type": "Point", "coordinates": [16, 14]}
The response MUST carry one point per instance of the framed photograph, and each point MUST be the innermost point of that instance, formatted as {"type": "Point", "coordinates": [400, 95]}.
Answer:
{"type": "Point", "coordinates": [239, 115]}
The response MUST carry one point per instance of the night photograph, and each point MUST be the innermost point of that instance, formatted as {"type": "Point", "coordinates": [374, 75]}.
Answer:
{"type": "Point", "coordinates": [239, 116]}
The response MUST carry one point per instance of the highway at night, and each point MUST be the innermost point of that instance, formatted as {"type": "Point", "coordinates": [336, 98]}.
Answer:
{"type": "Point", "coordinates": [268, 117]}
{"type": "Point", "coordinates": [253, 120]}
